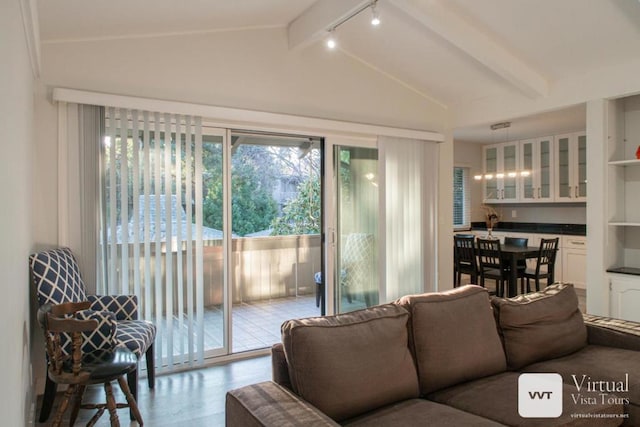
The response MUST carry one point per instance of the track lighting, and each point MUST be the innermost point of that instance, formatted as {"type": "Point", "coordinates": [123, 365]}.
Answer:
{"type": "Point", "coordinates": [375, 21]}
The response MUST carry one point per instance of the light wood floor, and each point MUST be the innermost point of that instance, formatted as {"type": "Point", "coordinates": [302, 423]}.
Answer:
{"type": "Point", "coordinates": [194, 398]}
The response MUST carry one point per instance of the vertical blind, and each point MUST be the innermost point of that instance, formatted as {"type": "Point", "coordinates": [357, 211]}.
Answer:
{"type": "Point", "coordinates": [461, 198]}
{"type": "Point", "coordinates": [151, 226]}
{"type": "Point", "coordinates": [410, 182]}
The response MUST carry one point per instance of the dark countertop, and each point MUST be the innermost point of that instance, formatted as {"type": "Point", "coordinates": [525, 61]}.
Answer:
{"type": "Point", "coordinates": [625, 270]}
{"type": "Point", "coordinates": [535, 227]}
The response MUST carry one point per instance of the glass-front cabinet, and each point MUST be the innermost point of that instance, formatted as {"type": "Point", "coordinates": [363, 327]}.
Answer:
{"type": "Point", "coordinates": [571, 167]}
{"type": "Point", "coordinates": [536, 170]}
{"type": "Point", "coordinates": [501, 172]}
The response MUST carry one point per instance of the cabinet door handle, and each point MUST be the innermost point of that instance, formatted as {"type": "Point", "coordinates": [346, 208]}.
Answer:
{"type": "Point", "coordinates": [577, 242]}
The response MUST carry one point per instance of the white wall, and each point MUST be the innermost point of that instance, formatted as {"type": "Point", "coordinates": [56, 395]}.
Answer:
{"type": "Point", "coordinates": [245, 69]}
{"type": "Point", "coordinates": [565, 213]}
{"type": "Point", "coordinates": [16, 170]}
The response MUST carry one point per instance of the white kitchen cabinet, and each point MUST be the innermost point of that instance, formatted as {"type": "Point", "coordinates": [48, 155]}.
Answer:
{"type": "Point", "coordinates": [536, 174]}
{"type": "Point", "coordinates": [625, 296]}
{"type": "Point", "coordinates": [500, 173]}
{"type": "Point", "coordinates": [574, 260]}
{"type": "Point", "coordinates": [571, 167]}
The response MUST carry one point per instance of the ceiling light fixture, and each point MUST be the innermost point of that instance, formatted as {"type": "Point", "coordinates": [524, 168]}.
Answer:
{"type": "Point", "coordinates": [502, 125]}
{"type": "Point", "coordinates": [331, 41]}
{"type": "Point", "coordinates": [375, 18]}
{"type": "Point", "coordinates": [375, 21]}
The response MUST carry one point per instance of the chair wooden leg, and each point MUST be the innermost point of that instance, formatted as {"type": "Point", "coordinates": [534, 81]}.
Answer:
{"type": "Point", "coordinates": [57, 420]}
{"type": "Point", "coordinates": [132, 380]}
{"type": "Point", "coordinates": [133, 404]}
{"type": "Point", "coordinates": [77, 401]}
{"type": "Point", "coordinates": [50, 389]}
{"type": "Point", "coordinates": [151, 367]}
{"type": "Point", "coordinates": [111, 405]}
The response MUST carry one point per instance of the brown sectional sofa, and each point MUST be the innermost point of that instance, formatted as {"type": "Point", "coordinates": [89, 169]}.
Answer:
{"type": "Point", "coordinates": [451, 359]}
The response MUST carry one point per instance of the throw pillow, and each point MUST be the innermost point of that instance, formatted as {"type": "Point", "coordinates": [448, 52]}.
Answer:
{"type": "Point", "coordinates": [351, 363]}
{"type": "Point", "coordinates": [455, 338]}
{"type": "Point", "coordinates": [540, 325]}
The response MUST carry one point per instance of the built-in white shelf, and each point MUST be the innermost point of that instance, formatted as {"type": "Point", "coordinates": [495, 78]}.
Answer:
{"type": "Point", "coordinates": [629, 162]}
{"type": "Point", "coordinates": [625, 224]}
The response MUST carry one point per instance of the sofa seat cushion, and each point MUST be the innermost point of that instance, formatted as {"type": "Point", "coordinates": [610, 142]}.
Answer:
{"type": "Point", "coordinates": [455, 338]}
{"type": "Point", "coordinates": [540, 325]}
{"type": "Point", "coordinates": [496, 398]}
{"type": "Point", "coordinates": [597, 363]}
{"type": "Point", "coordinates": [352, 363]}
{"type": "Point", "coordinates": [418, 413]}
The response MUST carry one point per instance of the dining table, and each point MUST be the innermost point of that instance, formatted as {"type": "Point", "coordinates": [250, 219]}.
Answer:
{"type": "Point", "coordinates": [512, 254]}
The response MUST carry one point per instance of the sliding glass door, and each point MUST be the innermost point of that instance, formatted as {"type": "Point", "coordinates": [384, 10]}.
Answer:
{"type": "Point", "coordinates": [276, 223]}
{"type": "Point", "coordinates": [381, 218]}
{"type": "Point", "coordinates": [216, 232]}
{"type": "Point", "coordinates": [357, 227]}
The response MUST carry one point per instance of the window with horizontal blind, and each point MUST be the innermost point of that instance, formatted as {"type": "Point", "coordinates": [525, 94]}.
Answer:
{"type": "Point", "coordinates": [461, 198]}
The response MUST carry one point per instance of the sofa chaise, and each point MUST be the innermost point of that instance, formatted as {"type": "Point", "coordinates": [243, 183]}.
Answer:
{"type": "Point", "coordinates": [455, 358]}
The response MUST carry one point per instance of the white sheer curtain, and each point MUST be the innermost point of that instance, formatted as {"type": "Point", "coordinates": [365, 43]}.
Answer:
{"type": "Point", "coordinates": [152, 225]}
{"type": "Point", "coordinates": [410, 170]}
{"type": "Point", "coordinates": [79, 131]}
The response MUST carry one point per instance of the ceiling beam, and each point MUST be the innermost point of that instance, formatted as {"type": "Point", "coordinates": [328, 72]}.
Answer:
{"type": "Point", "coordinates": [313, 24]}
{"type": "Point", "coordinates": [461, 33]}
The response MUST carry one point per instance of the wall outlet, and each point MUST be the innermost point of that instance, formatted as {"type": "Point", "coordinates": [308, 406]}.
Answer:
{"type": "Point", "coordinates": [514, 213]}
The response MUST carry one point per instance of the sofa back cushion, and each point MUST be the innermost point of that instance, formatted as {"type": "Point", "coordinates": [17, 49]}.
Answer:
{"type": "Point", "coordinates": [349, 364]}
{"type": "Point", "coordinates": [540, 325]}
{"type": "Point", "coordinates": [454, 337]}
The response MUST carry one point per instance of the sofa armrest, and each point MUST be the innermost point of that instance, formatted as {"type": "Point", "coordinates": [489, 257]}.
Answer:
{"type": "Point", "coordinates": [612, 332]}
{"type": "Point", "coordinates": [269, 404]}
{"type": "Point", "coordinates": [280, 367]}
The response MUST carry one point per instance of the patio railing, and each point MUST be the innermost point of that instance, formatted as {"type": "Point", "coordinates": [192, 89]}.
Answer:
{"type": "Point", "coordinates": [262, 268]}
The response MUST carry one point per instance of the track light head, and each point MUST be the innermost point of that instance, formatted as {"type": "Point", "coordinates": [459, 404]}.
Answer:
{"type": "Point", "coordinates": [375, 16]}
{"type": "Point", "coordinates": [331, 42]}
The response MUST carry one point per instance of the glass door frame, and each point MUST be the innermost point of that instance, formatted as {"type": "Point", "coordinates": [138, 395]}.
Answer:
{"type": "Point", "coordinates": [226, 241]}
{"type": "Point", "coordinates": [330, 214]}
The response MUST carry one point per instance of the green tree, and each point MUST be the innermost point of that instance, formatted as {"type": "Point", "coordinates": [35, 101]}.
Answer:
{"type": "Point", "coordinates": [252, 206]}
{"type": "Point", "coordinates": [301, 215]}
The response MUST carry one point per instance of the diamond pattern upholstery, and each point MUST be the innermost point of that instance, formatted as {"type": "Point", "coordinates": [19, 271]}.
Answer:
{"type": "Point", "coordinates": [125, 307]}
{"type": "Point", "coordinates": [101, 338]}
{"type": "Point", "coordinates": [135, 335]}
{"type": "Point", "coordinates": [56, 276]}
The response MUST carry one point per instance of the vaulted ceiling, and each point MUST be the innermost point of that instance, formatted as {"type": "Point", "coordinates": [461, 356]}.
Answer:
{"type": "Point", "coordinates": [453, 52]}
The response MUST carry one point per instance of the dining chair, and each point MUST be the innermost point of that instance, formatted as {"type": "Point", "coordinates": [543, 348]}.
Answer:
{"type": "Point", "coordinates": [56, 276]}
{"type": "Point", "coordinates": [521, 242]}
{"type": "Point", "coordinates": [465, 261]}
{"type": "Point", "coordinates": [67, 327]}
{"type": "Point", "coordinates": [545, 263]}
{"type": "Point", "coordinates": [491, 265]}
